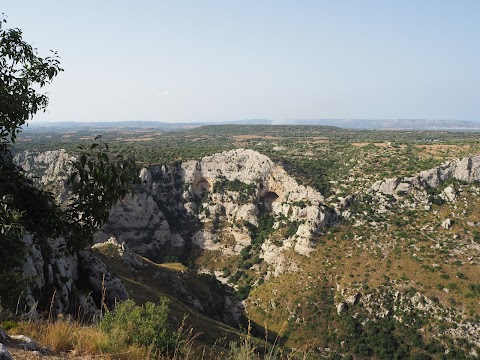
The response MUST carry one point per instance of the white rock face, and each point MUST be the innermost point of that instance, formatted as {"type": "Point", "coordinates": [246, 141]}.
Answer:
{"type": "Point", "coordinates": [447, 224]}
{"type": "Point", "coordinates": [342, 308]}
{"type": "Point", "coordinates": [51, 168]}
{"type": "Point", "coordinates": [100, 279]}
{"type": "Point", "coordinates": [274, 256]}
{"type": "Point", "coordinates": [56, 269]}
{"type": "Point", "coordinates": [279, 191]}
{"type": "Point", "coordinates": [137, 221]}
{"type": "Point", "coordinates": [249, 167]}
{"type": "Point", "coordinates": [34, 263]}
{"type": "Point", "coordinates": [449, 194]}
{"type": "Point", "coordinates": [61, 274]}
{"type": "Point", "coordinates": [187, 194]}
{"type": "Point", "coordinates": [466, 169]}
{"type": "Point", "coordinates": [206, 240]}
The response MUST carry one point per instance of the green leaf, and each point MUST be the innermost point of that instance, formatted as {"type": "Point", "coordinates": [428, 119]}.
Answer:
{"type": "Point", "coordinates": [103, 157]}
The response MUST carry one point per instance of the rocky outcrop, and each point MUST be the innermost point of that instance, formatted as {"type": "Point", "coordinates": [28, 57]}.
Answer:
{"type": "Point", "coordinates": [27, 343]}
{"type": "Point", "coordinates": [465, 169]}
{"type": "Point", "coordinates": [449, 194]}
{"type": "Point", "coordinates": [273, 188]}
{"type": "Point", "coordinates": [182, 206]}
{"type": "Point", "coordinates": [177, 206]}
{"type": "Point", "coordinates": [466, 331]}
{"type": "Point", "coordinates": [249, 167]}
{"type": "Point", "coordinates": [48, 168]}
{"type": "Point", "coordinates": [22, 345]}
{"type": "Point", "coordinates": [54, 272]}
{"type": "Point", "coordinates": [104, 285]}
{"type": "Point", "coordinates": [4, 354]}
{"type": "Point", "coordinates": [138, 221]}
{"type": "Point", "coordinates": [447, 224]}
{"type": "Point", "coordinates": [113, 246]}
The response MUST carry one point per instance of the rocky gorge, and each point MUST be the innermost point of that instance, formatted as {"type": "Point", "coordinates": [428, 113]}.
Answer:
{"type": "Point", "coordinates": [241, 218]}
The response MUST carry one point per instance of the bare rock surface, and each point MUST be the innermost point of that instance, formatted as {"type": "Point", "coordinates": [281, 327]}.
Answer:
{"type": "Point", "coordinates": [465, 169]}
{"type": "Point", "coordinates": [27, 343]}
{"type": "Point", "coordinates": [4, 353]}
{"type": "Point", "coordinates": [3, 335]}
{"type": "Point", "coordinates": [178, 206]}
{"type": "Point", "coordinates": [50, 267]}
{"type": "Point", "coordinates": [100, 279]}
{"type": "Point", "coordinates": [112, 245]}
{"type": "Point", "coordinates": [48, 168]}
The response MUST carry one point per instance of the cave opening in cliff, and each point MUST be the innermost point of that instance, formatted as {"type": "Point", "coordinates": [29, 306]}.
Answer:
{"type": "Point", "coordinates": [269, 198]}
{"type": "Point", "coordinates": [201, 186]}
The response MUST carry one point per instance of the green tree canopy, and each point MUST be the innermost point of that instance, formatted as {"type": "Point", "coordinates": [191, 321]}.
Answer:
{"type": "Point", "coordinates": [22, 75]}
{"type": "Point", "coordinates": [99, 179]}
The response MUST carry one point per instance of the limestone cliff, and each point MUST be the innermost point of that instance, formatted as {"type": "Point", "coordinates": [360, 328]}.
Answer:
{"type": "Point", "coordinates": [212, 205]}
{"type": "Point", "coordinates": [55, 273]}
{"type": "Point", "coordinates": [465, 169]}
{"type": "Point", "coordinates": [237, 214]}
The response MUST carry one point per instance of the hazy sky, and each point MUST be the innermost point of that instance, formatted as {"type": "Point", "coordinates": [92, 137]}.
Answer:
{"type": "Point", "coordinates": [205, 60]}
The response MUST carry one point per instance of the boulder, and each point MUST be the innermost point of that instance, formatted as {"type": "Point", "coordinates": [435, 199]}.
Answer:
{"type": "Point", "coordinates": [354, 299]}
{"type": "Point", "coordinates": [447, 224]}
{"type": "Point", "coordinates": [342, 308]}
{"type": "Point", "coordinates": [449, 194]}
{"type": "Point", "coordinates": [4, 354]}
{"type": "Point", "coordinates": [3, 335]}
{"type": "Point", "coordinates": [27, 343]}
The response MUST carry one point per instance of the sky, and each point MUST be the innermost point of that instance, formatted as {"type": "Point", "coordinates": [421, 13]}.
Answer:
{"type": "Point", "coordinates": [220, 60]}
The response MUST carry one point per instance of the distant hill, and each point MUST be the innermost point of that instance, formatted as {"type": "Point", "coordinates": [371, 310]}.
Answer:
{"type": "Point", "coordinates": [73, 125]}
{"type": "Point", "coordinates": [134, 124]}
{"type": "Point", "coordinates": [378, 124]}
{"type": "Point", "coordinates": [389, 124]}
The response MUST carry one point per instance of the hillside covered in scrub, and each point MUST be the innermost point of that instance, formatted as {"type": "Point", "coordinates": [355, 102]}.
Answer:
{"type": "Point", "coordinates": [140, 221]}
{"type": "Point", "coordinates": [375, 255]}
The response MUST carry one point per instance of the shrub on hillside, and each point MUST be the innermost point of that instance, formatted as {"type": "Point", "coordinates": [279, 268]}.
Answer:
{"type": "Point", "coordinates": [145, 325]}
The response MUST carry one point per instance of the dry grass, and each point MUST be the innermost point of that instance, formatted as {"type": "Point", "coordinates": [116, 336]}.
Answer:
{"type": "Point", "coordinates": [65, 336]}
{"type": "Point", "coordinates": [248, 137]}
{"type": "Point", "coordinates": [171, 266]}
{"type": "Point", "coordinates": [71, 340]}
{"type": "Point", "coordinates": [362, 144]}
{"type": "Point", "coordinates": [139, 139]}
{"type": "Point", "coordinates": [441, 151]}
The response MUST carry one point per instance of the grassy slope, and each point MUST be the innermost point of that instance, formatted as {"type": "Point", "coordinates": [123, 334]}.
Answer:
{"type": "Point", "coordinates": [441, 264]}
{"type": "Point", "coordinates": [145, 285]}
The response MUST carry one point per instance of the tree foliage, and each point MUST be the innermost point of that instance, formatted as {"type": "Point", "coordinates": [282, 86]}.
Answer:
{"type": "Point", "coordinates": [99, 179]}
{"type": "Point", "coordinates": [22, 74]}
{"type": "Point", "coordinates": [97, 182]}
